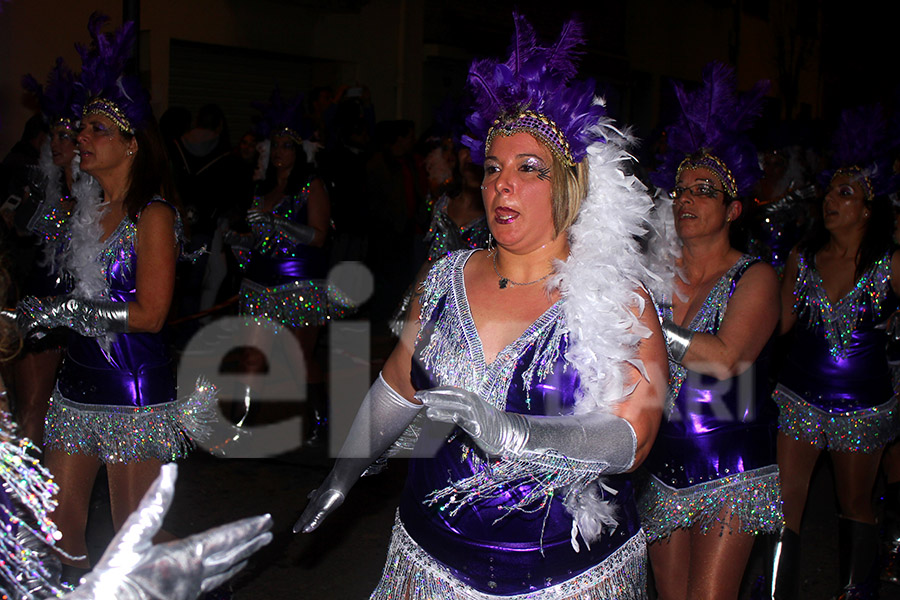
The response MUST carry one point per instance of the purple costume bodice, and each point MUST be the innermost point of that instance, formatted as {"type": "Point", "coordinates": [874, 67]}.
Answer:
{"type": "Point", "coordinates": [525, 550]}
{"type": "Point", "coordinates": [715, 429]}
{"type": "Point", "coordinates": [837, 360]}
{"type": "Point", "coordinates": [276, 258]}
{"type": "Point", "coordinates": [122, 369]}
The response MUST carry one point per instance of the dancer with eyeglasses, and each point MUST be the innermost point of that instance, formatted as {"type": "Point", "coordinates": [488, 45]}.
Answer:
{"type": "Point", "coordinates": [712, 482]}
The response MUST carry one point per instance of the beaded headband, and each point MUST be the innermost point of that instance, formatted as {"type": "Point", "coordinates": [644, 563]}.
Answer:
{"type": "Point", "coordinates": [64, 122]}
{"type": "Point", "coordinates": [288, 133]}
{"type": "Point", "coordinates": [108, 109]}
{"type": "Point", "coordinates": [718, 168]}
{"type": "Point", "coordinates": [541, 127]}
{"type": "Point", "coordinates": [858, 175]}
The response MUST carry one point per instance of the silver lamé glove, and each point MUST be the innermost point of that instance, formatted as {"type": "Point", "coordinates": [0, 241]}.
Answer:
{"type": "Point", "coordinates": [596, 436]}
{"type": "Point", "coordinates": [87, 317]}
{"type": "Point", "coordinates": [383, 416]}
{"type": "Point", "coordinates": [302, 234]}
{"type": "Point", "coordinates": [132, 568]}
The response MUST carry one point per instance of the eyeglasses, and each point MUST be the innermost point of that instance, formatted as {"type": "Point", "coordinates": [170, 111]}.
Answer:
{"type": "Point", "coordinates": [698, 189]}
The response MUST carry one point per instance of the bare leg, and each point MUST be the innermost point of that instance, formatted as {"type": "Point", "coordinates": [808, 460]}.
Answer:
{"type": "Point", "coordinates": [668, 559]}
{"type": "Point", "coordinates": [891, 462]}
{"type": "Point", "coordinates": [796, 461]}
{"type": "Point", "coordinates": [35, 378]}
{"type": "Point", "coordinates": [75, 474]}
{"type": "Point", "coordinates": [718, 562]}
{"type": "Point", "coordinates": [127, 485]}
{"type": "Point", "coordinates": [855, 474]}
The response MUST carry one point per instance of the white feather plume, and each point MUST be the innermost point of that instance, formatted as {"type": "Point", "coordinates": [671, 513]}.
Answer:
{"type": "Point", "coordinates": [81, 257]}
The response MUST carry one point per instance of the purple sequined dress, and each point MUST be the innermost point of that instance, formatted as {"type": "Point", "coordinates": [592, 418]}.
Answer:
{"type": "Point", "coordinates": [469, 527]}
{"type": "Point", "coordinates": [284, 280]}
{"type": "Point", "coordinates": [834, 389]}
{"type": "Point", "coordinates": [715, 449]}
{"type": "Point", "coordinates": [115, 396]}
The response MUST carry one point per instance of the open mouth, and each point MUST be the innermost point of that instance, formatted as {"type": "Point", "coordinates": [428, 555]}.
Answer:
{"type": "Point", "coordinates": [505, 215]}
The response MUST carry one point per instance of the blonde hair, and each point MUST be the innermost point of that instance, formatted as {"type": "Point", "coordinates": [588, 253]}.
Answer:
{"type": "Point", "coordinates": [568, 189]}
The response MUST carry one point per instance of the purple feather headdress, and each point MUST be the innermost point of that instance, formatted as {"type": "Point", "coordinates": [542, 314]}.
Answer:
{"type": "Point", "coordinates": [108, 90]}
{"type": "Point", "coordinates": [861, 147]}
{"type": "Point", "coordinates": [711, 132]}
{"type": "Point", "coordinates": [535, 91]}
{"type": "Point", "coordinates": [281, 116]}
{"type": "Point", "coordinates": [58, 97]}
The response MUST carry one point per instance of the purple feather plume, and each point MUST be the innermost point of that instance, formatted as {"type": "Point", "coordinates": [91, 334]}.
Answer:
{"type": "Point", "coordinates": [536, 78]}
{"type": "Point", "coordinates": [714, 118]}
{"type": "Point", "coordinates": [865, 140]}
{"type": "Point", "coordinates": [280, 112]}
{"type": "Point", "coordinates": [58, 96]}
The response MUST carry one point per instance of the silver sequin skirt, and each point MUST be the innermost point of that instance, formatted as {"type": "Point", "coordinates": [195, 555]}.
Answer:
{"type": "Point", "coordinates": [123, 434]}
{"type": "Point", "coordinates": [301, 303]}
{"type": "Point", "coordinates": [864, 430]}
{"type": "Point", "coordinates": [412, 574]}
{"type": "Point", "coordinates": [752, 497]}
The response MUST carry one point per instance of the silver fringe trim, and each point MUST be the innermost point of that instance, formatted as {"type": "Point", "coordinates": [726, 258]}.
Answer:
{"type": "Point", "coordinates": [122, 434]}
{"type": "Point", "coordinates": [412, 574]}
{"type": "Point", "coordinates": [301, 303]}
{"type": "Point", "coordinates": [864, 430]}
{"type": "Point", "coordinates": [27, 567]}
{"type": "Point", "coordinates": [752, 497]}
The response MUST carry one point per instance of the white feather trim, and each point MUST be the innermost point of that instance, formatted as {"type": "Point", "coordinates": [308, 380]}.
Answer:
{"type": "Point", "coordinates": [604, 271]}
{"type": "Point", "coordinates": [81, 254]}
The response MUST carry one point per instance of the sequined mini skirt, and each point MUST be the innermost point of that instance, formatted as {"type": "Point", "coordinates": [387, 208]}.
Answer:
{"type": "Point", "coordinates": [412, 574]}
{"type": "Point", "coordinates": [301, 303]}
{"type": "Point", "coordinates": [864, 430]}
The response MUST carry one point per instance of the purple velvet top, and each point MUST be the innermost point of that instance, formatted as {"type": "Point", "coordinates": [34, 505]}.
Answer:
{"type": "Point", "coordinates": [277, 259]}
{"type": "Point", "coordinates": [715, 428]}
{"type": "Point", "coordinates": [839, 364]}
{"type": "Point", "coordinates": [525, 551]}
{"type": "Point", "coordinates": [136, 369]}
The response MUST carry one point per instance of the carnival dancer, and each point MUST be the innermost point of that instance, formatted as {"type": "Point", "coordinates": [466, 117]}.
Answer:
{"type": "Point", "coordinates": [834, 391]}
{"type": "Point", "coordinates": [285, 261]}
{"type": "Point", "coordinates": [35, 368]}
{"type": "Point", "coordinates": [544, 351]}
{"type": "Point", "coordinates": [713, 482]}
{"type": "Point", "coordinates": [115, 401]}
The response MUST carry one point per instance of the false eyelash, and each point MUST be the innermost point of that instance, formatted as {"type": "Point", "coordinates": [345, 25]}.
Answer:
{"type": "Point", "coordinates": [544, 173]}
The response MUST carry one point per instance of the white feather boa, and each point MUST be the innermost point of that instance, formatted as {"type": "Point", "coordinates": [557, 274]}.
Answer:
{"type": "Point", "coordinates": [605, 270]}
{"type": "Point", "coordinates": [80, 257]}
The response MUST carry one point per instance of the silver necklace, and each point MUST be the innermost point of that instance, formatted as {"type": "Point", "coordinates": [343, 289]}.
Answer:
{"type": "Point", "coordinates": [504, 282]}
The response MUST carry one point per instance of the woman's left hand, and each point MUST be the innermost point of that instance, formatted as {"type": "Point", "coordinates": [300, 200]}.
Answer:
{"type": "Point", "coordinates": [495, 431]}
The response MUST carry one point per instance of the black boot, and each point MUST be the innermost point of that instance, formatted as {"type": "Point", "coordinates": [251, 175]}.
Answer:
{"type": "Point", "coordinates": [890, 539]}
{"type": "Point", "coordinates": [858, 547]}
{"type": "Point", "coordinates": [785, 582]}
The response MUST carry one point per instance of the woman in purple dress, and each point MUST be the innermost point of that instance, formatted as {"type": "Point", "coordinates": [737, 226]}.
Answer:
{"type": "Point", "coordinates": [713, 482]}
{"type": "Point", "coordinates": [543, 350]}
{"type": "Point", "coordinates": [115, 401]}
{"type": "Point", "coordinates": [834, 390]}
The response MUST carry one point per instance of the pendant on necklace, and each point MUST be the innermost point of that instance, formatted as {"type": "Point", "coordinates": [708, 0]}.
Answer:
{"type": "Point", "coordinates": [503, 283]}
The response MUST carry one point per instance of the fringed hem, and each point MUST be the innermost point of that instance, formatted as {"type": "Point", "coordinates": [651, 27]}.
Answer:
{"type": "Point", "coordinates": [123, 434]}
{"type": "Point", "coordinates": [27, 567]}
{"type": "Point", "coordinates": [864, 430]}
{"type": "Point", "coordinates": [412, 574]}
{"type": "Point", "coordinates": [302, 303]}
{"type": "Point", "coordinates": [752, 497]}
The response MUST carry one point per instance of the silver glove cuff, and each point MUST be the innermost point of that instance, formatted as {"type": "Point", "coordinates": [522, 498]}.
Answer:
{"type": "Point", "coordinates": [302, 234]}
{"type": "Point", "coordinates": [113, 316]}
{"type": "Point", "coordinates": [678, 340]}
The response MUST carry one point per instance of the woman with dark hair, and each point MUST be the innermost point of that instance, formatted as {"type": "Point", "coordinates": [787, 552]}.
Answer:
{"type": "Point", "coordinates": [58, 168]}
{"type": "Point", "coordinates": [712, 480]}
{"type": "Point", "coordinates": [115, 400]}
{"type": "Point", "coordinates": [544, 352]}
{"type": "Point", "coordinates": [834, 390]}
{"type": "Point", "coordinates": [289, 217]}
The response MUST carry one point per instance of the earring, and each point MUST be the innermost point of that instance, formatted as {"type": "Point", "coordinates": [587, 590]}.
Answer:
{"type": "Point", "coordinates": [131, 153]}
{"type": "Point", "coordinates": [484, 187]}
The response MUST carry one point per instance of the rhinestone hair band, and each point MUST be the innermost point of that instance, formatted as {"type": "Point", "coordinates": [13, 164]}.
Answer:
{"type": "Point", "coordinates": [719, 169]}
{"type": "Point", "coordinates": [858, 175]}
{"type": "Point", "coordinates": [108, 109]}
{"type": "Point", "coordinates": [539, 126]}
{"type": "Point", "coordinates": [290, 133]}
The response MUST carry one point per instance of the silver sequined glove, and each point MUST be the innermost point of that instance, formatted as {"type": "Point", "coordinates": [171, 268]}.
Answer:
{"type": "Point", "coordinates": [87, 317]}
{"type": "Point", "coordinates": [302, 234]}
{"type": "Point", "coordinates": [595, 437]}
{"type": "Point", "coordinates": [383, 416]}
{"type": "Point", "coordinates": [132, 568]}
